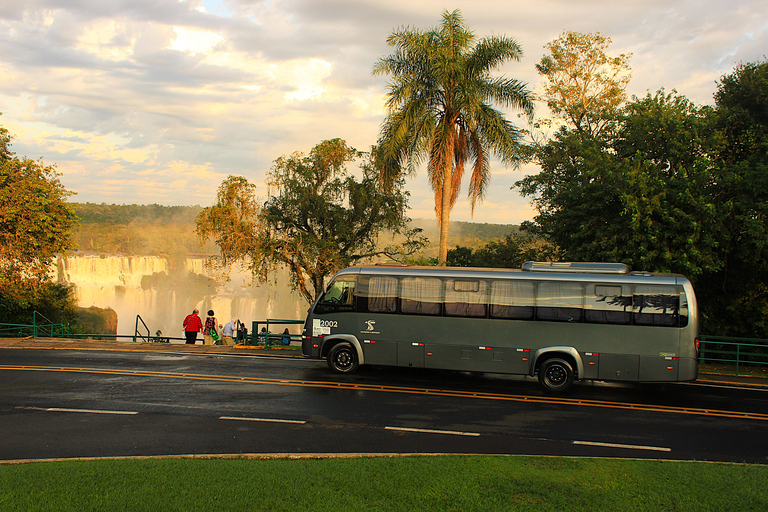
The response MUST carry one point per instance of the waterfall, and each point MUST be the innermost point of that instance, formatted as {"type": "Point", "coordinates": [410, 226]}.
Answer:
{"type": "Point", "coordinates": [163, 293]}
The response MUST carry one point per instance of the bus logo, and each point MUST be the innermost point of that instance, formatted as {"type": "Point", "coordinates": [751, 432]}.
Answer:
{"type": "Point", "coordinates": [370, 324]}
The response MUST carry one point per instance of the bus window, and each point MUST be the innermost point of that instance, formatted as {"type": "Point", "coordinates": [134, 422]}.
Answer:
{"type": "Point", "coordinates": [559, 301]}
{"type": "Point", "coordinates": [683, 308]}
{"type": "Point", "coordinates": [382, 294]}
{"type": "Point", "coordinates": [340, 296]}
{"type": "Point", "coordinates": [512, 299]}
{"type": "Point", "coordinates": [465, 297]}
{"type": "Point", "coordinates": [657, 305]}
{"type": "Point", "coordinates": [421, 295]}
{"type": "Point", "coordinates": [608, 304]}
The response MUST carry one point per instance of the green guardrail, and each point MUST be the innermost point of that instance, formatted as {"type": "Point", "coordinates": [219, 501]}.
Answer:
{"type": "Point", "coordinates": [262, 335]}
{"type": "Point", "coordinates": [40, 326]}
{"type": "Point", "coordinates": [741, 352]}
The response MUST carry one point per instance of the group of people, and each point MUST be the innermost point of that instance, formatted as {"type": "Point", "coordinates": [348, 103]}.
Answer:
{"type": "Point", "coordinates": [211, 329]}
{"type": "Point", "coordinates": [214, 333]}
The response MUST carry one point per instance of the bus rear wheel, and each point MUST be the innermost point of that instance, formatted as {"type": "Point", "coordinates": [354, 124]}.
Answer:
{"type": "Point", "coordinates": [556, 375]}
{"type": "Point", "coordinates": [343, 358]}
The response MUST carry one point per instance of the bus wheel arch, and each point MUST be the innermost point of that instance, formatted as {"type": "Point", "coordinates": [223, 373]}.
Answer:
{"type": "Point", "coordinates": [556, 372]}
{"type": "Point", "coordinates": [343, 358]}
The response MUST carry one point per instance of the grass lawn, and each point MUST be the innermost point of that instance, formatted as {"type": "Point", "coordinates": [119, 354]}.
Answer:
{"type": "Point", "coordinates": [428, 483]}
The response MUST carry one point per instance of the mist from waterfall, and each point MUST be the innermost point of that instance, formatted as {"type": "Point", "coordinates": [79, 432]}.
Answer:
{"type": "Point", "coordinates": [163, 291]}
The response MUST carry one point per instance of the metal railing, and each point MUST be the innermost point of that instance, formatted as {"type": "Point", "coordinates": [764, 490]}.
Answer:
{"type": "Point", "coordinates": [741, 352]}
{"type": "Point", "coordinates": [17, 330]}
{"type": "Point", "coordinates": [266, 338]}
{"type": "Point", "coordinates": [36, 329]}
{"type": "Point", "coordinates": [136, 333]}
{"type": "Point", "coordinates": [60, 330]}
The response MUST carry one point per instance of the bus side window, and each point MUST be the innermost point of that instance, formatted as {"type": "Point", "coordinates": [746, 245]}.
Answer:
{"type": "Point", "coordinates": [421, 295]}
{"type": "Point", "coordinates": [382, 294]}
{"type": "Point", "coordinates": [512, 299]}
{"type": "Point", "coordinates": [608, 304]}
{"type": "Point", "coordinates": [657, 305]}
{"type": "Point", "coordinates": [559, 301]}
{"type": "Point", "coordinates": [466, 297]}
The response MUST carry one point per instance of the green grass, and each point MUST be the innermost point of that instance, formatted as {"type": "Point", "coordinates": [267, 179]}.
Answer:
{"type": "Point", "coordinates": [745, 370]}
{"type": "Point", "coordinates": [440, 483]}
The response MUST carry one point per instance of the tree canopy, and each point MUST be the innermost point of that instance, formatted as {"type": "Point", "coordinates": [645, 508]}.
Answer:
{"type": "Point", "coordinates": [671, 187]}
{"type": "Point", "coordinates": [585, 87]}
{"type": "Point", "coordinates": [737, 294]}
{"type": "Point", "coordinates": [510, 252]}
{"type": "Point", "coordinates": [640, 197]}
{"type": "Point", "coordinates": [318, 220]}
{"type": "Point", "coordinates": [440, 109]}
{"type": "Point", "coordinates": [35, 224]}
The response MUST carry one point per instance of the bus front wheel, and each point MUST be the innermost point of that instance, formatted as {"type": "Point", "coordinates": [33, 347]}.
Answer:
{"type": "Point", "coordinates": [343, 358]}
{"type": "Point", "coordinates": [556, 375]}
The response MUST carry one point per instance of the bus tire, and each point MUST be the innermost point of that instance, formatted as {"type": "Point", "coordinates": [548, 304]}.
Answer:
{"type": "Point", "coordinates": [556, 375]}
{"type": "Point", "coordinates": [343, 358]}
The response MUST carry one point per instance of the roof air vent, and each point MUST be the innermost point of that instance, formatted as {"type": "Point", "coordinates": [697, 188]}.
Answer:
{"type": "Point", "coordinates": [575, 267]}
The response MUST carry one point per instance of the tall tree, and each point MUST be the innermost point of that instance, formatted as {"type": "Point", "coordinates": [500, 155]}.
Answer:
{"type": "Point", "coordinates": [35, 224]}
{"type": "Point", "coordinates": [319, 220]}
{"type": "Point", "coordinates": [440, 108]}
{"type": "Point", "coordinates": [641, 196]}
{"type": "Point", "coordinates": [585, 87]}
{"type": "Point", "coordinates": [739, 291]}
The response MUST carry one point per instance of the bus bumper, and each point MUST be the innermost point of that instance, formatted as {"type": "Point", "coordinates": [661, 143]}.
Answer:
{"type": "Point", "coordinates": [310, 347]}
{"type": "Point", "coordinates": [688, 369]}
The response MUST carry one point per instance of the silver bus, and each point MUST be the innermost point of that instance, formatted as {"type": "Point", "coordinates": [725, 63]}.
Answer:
{"type": "Point", "coordinates": [560, 322]}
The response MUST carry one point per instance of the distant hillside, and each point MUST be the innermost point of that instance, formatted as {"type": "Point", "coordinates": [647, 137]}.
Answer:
{"type": "Point", "coordinates": [114, 214]}
{"type": "Point", "coordinates": [466, 234]}
{"type": "Point", "coordinates": [155, 229]}
{"type": "Point", "coordinates": [138, 229]}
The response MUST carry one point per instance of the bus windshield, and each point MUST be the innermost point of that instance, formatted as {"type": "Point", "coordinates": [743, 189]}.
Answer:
{"type": "Point", "coordinates": [340, 296]}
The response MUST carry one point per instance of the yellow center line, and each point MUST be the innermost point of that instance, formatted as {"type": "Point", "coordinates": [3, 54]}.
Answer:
{"type": "Point", "coordinates": [401, 389]}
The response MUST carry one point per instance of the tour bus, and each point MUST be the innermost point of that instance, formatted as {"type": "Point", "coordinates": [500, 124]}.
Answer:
{"type": "Point", "coordinates": [558, 321]}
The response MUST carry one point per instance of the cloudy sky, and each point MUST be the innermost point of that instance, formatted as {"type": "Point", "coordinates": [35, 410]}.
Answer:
{"type": "Point", "coordinates": [157, 101]}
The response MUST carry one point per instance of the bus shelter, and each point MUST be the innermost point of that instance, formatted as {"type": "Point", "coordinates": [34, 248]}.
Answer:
{"type": "Point", "coordinates": [261, 333]}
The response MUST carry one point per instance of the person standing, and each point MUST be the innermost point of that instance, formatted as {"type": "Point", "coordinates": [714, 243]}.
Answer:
{"type": "Point", "coordinates": [228, 333]}
{"type": "Point", "coordinates": [211, 327]}
{"type": "Point", "coordinates": [242, 333]}
{"type": "Point", "coordinates": [192, 325]}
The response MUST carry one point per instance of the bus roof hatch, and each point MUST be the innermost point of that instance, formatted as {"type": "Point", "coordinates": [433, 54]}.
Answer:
{"type": "Point", "coordinates": [575, 267]}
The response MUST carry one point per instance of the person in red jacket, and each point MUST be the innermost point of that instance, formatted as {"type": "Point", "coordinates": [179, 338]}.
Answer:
{"type": "Point", "coordinates": [192, 325]}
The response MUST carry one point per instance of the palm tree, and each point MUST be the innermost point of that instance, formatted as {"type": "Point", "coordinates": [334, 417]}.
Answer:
{"type": "Point", "coordinates": [439, 108]}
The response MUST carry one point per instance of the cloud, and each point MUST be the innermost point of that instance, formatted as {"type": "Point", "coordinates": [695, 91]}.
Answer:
{"type": "Point", "coordinates": [141, 101]}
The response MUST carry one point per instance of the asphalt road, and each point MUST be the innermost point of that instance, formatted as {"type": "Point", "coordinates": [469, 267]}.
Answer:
{"type": "Point", "coordinates": [81, 403]}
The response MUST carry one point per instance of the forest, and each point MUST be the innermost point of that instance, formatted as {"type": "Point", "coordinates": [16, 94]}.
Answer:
{"type": "Point", "coordinates": [152, 230]}
{"type": "Point", "coordinates": [137, 229]}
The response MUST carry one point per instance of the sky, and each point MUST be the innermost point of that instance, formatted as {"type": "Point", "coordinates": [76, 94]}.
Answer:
{"type": "Point", "coordinates": [158, 101]}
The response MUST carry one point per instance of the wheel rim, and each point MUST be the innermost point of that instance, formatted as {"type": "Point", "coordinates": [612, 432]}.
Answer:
{"type": "Point", "coordinates": [556, 375]}
{"type": "Point", "coordinates": [343, 360]}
